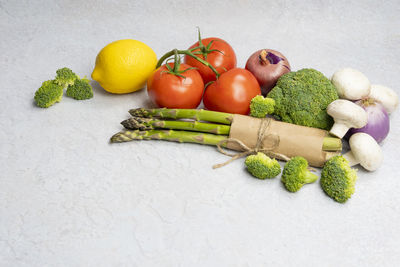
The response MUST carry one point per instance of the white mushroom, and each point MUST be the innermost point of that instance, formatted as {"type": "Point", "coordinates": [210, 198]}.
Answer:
{"type": "Point", "coordinates": [351, 84]}
{"type": "Point", "coordinates": [346, 115]}
{"type": "Point", "coordinates": [364, 151]}
{"type": "Point", "coordinates": [385, 96]}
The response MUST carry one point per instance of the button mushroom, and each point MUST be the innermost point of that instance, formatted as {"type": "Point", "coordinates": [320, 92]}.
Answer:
{"type": "Point", "coordinates": [385, 96]}
{"type": "Point", "coordinates": [346, 115]}
{"type": "Point", "coordinates": [351, 84]}
{"type": "Point", "coordinates": [364, 151]}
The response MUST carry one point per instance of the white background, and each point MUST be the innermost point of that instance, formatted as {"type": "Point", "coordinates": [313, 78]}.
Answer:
{"type": "Point", "coordinates": [69, 198]}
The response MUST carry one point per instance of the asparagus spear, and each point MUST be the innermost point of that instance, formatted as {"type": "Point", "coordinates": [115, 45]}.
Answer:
{"type": "Point", "coordinates": [194, 114]}
{"type": "Point", "coordinates": [138, 123]}
{"type": "Point", "coordinates": [169, 135]}
{"type": "Point", "coordinates": [329, 144]}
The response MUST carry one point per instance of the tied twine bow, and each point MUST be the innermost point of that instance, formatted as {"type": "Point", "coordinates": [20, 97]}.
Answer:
{"type": "Point", "coordinates": [258, 147]}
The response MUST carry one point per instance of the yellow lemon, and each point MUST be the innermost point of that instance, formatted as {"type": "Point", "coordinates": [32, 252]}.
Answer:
{"type": "Point", "coordinates": [124, 66]}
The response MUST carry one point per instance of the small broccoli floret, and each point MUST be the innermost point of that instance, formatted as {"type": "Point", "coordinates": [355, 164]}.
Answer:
{"type": "Point", "coordinates": [262, 166]}
{"type": "Point", "coordinates": [302, 98]}
{"type": "Point", "coordinates": [65, 77]}
{"type": "Point", "coordinates": [261, 106]}
{"type": "Point", "coordinates": [296, 174]}
{"type": "Point", "coordinates": [338, 179]}
{"type": "Point", "coordinates": [80, 90]}
{"type": "Point", "coordinates": [48, 94]}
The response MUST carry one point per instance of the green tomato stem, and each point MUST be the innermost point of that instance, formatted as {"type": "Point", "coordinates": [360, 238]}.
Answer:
{"type": "Point", "coordinates": [188, 53]}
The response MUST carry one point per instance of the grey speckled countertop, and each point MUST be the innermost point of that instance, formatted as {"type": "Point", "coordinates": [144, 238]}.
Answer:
{"type": "Point", "coordinates": [69, 198]}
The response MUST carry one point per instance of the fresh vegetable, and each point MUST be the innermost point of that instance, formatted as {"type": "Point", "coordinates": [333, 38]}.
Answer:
{"type": "Point", "coordinates": [232, 92]}
{"type": "Point", "coordinates": [267, 66]}
{"type": "Point", "coordinates": [302, 98]}
{"type": "Point", "coordinates": [169, 135]}
{"type": "Point", "coordinates": [124, 66]}
{"type": "Point", "coordinates": [194, 114]}
{"type": "Point", "coordinates": [351, 84]}
{"type": "Point", "coordinates": [220, 123]}
{"type": "Point", "coordinates": [338, 179]}
{"type": "Point", "coordinates": [80, 89]}
{"type": "Point", "coordinates": [65, 77]}
{"type": "Point", "coordinates": [138, 123]}
{"type": "Point", "coordinates": [346, 115]}
{"type": "Point", "coordinates": [215, 51]}
{"type": "Point", "coordinates": [51, 91]}
{"type": "Point", "coordinates": [385, 96]}
{"type": "Point", "coordinates": [296, 174]}
{"type": "Point", "coordinates": [175, 85]}
{"type": "Point", "coordinates": [261, 166]}
{"type": "Point", "coordinates": [378, 124]}
{"type": "Point", "coordinates": [48, 94]}
{"type": "Point", "coordinates": [211, 57]}
{"type": "Point", "coordinates": [261, 106]}
{"type": "Point", "coordinates": [364, 150]}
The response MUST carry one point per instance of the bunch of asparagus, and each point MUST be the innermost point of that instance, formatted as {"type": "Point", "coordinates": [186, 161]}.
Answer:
{"type": "Point", "coordinates": [186, 126]}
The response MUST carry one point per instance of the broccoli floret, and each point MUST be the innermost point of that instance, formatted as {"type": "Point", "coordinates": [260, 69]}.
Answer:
{"type": "Point", "coordinates": [302, 98]}
{"type": "Point", "coordinates": [48, 94]}
{"type": "Point", "coordinates": [261, 106]}
{"type": "Point", "coordinates": [65, 77]}
{"type": "Point", "coordinates": [262, 166]}
{"type": "Point", "coordinates": [296, 174]}
{"type": "Point", "coordinates": [338, 179]}
{"type": "Point", "coordinates": [80, 90]}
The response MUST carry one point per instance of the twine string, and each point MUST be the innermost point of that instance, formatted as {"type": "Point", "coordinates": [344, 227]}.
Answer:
{"type": "Point", "coordinates": [261, 135]}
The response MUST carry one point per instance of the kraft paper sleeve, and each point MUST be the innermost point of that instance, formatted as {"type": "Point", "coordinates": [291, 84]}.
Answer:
{"type": "Point", "coordinates": [293, 140]}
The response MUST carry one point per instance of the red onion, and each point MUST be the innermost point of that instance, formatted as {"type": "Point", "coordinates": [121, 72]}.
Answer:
{"type": "Point", "coordinates": [267, 66]}
{"type": "Point", "coordinates": [378, 124]}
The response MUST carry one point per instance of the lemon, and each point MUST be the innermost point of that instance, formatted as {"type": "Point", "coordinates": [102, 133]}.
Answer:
{"type": "Point", "coordinates": [124, 66]}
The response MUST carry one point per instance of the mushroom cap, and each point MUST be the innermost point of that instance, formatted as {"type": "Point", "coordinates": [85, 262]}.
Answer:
{"type": "Point", "coordinates": [348, 113]}
{"type": "Point", "coordinates": [366, 150]}
{"type": "Point", "coordinates": [385, 96]}
{"type": "Point", "coordinates": [351, 84]}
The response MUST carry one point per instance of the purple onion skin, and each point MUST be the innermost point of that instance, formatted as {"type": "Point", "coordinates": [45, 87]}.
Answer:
{"type": "Point", "coordinates": [267, 72]}
{"type": "Point", "coordinates": [378, 124]}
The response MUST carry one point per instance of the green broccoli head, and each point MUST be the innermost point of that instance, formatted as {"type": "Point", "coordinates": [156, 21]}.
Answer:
{"type": "Point", "coordinates": [262, 166]}
{"type": "Point", "coordinates": [296, 174]}
{"type": "Point", "coordinates": [302, 98]}
{"type": "Point", "coordinates": [65, 77]}
{"type": "Point", "coordinates": [261, 106]}
{"type": "Point", "coordinates": [338, 179]}
{"type": "Point", "coordinates": [80, 90]}
{"type": "Point", "coordinates": [48, 94]}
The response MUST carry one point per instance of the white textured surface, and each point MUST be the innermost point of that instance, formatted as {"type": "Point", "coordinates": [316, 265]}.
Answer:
{"type": "Point", "coordinates": [69, 198]}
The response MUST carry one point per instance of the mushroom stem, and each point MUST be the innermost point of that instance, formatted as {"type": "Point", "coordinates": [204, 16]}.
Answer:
{"type": "Point", "coordinates": [339, 130]}
{"type": "Point", "coordinates": [351, 158]}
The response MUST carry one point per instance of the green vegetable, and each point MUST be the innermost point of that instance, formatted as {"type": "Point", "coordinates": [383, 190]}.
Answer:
{"type": "Point", "coordinates": [262, 166]}
{"type": "Point", "coordinates": [48, 94]}
{"type": "Point", "coordinates": [219, 119]}
{"type": "Point", "coordinates": [138, 123]}
{"type": "Point", "coordinates": [338, 179]}
{"type": "Point", "coordinates": [80, 90]}
{"type": "Point", "coordinates": [261, 106]}
{"type": "Point", "coordinates": [296, 174]}
{"type": "Point", "coordinates": [302, 98]}
{"type": "Point", "coordinates": [169, 135]}
{"type": "Point", "coordinates": [194, 114]}
{"type": "Point", "coordinates": [65, 77]}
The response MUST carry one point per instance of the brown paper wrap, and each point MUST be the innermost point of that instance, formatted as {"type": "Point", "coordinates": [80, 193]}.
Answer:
{"type": "Point", "coordinates": [284, 138]}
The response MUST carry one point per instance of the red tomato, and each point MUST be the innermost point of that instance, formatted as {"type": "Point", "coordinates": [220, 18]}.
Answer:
{"type": "Point", "coordinates": [171, 91]}
{"type": "Point", "coordinates": [222, 61]}
{"type": "Point", "coordinates": [232, 92]}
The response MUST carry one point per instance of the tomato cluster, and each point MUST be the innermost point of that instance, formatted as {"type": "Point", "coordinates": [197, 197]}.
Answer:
{"type": "Point", "coordinates": [210, 62]}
